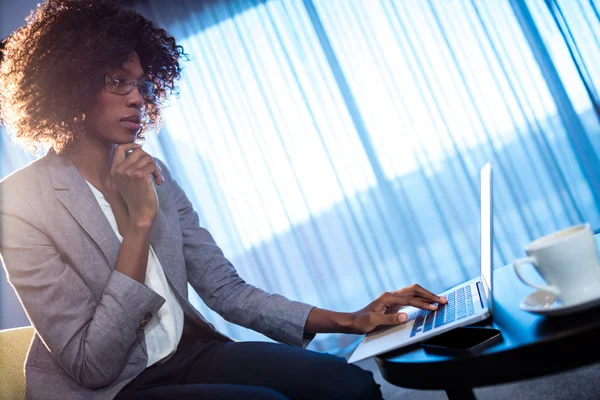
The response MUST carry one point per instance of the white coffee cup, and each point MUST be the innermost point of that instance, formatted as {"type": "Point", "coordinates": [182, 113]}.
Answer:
{"type": "Point", "coordinates": [568, 262]}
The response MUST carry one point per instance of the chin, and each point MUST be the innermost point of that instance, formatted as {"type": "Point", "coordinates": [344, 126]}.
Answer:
{"type": "Point", "coordinates": [129, 136]}
{"type": "Point", "coordinates": [119, 141]}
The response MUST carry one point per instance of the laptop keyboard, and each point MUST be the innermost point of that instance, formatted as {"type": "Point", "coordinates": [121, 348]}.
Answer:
{"type": "Point", "coordinates": [460, 305]}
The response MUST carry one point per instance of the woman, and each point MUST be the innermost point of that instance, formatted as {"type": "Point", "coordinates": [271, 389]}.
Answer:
{"type": "Point", "coordinates": [100, 242]}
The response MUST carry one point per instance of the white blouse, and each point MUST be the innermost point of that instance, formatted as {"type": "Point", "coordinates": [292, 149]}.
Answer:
{"type": "Point", "coordinates": [164, 330]}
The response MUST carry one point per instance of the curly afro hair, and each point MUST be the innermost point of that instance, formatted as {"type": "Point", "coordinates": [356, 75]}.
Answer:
{"type": "Point", "coordinates": [53, 67]}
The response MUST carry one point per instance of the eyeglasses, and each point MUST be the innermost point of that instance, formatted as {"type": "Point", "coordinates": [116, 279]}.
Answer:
{"type": "Point", "coordinates": [120, 85]}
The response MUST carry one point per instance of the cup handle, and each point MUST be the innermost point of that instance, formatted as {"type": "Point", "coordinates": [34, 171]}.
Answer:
{"type": "Point", "coordinates": [532, 260]}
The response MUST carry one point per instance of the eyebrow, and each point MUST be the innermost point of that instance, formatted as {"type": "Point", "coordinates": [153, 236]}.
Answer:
{"type": "Point", "coordinates": [127, 72]}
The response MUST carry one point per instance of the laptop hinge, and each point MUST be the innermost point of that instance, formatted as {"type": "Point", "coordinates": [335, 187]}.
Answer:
{"type": "Point", "coordinates": [480, 290]}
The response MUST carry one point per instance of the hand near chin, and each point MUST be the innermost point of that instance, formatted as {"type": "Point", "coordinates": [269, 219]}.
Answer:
{"type": "Point", "coordinates": [133, 175]}
{"type": "Point", "coordinates": [383, 311]}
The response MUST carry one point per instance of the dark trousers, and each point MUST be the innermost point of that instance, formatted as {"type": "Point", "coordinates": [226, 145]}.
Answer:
{"type": "Point", "coordinates": [205, 368]}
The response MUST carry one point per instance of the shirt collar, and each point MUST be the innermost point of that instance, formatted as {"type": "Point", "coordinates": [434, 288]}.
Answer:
{"type": "Point", "coordinates": [98, 194]}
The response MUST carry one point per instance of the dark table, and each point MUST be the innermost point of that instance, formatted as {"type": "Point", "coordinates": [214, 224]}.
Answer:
{"type": "Point", "coordinates": [532, 346]}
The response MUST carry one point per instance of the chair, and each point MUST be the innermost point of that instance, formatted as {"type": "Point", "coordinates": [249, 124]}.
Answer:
{"type": "Point", "coordinates": [14, 344]}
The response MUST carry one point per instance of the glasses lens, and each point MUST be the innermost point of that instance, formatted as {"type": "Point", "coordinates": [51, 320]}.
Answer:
{"type": "Point", "coordinates": [117, 85]}
{"type": "Point", "coordinates": [122, 86]}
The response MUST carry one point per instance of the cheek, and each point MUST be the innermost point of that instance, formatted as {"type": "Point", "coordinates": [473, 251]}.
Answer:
{"type": "Point", "coordinates": [103, 113]}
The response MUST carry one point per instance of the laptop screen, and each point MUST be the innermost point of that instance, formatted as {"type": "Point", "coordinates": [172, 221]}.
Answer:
{"type": "Point", "coordinates": [486, 231]}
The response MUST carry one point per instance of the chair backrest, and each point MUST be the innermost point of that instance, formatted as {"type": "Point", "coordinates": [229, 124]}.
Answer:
{"type": "Point", "coordinates": [14, 344]}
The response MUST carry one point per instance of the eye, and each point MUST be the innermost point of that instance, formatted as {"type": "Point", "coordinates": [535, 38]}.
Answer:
{"type": "Point", "coordinates": [119, 81]}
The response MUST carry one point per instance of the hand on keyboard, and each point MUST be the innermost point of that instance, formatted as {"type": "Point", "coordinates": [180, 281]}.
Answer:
{"type": "Point", "coordinates": [459, 304]}
{"type": "Point", "coordinates": [384, 310]}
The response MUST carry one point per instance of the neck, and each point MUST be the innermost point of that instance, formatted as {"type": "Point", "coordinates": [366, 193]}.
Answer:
{"type": "Point", "coordinates": [93, 159]}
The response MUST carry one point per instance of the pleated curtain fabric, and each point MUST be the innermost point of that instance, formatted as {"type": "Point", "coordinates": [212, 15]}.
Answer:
{"type": "Point", "coordinates": [333, 148]}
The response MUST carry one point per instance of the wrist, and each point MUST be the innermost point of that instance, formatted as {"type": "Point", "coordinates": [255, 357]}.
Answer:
{"type": "Point", "coordinates": [325, 321]}
{"type": "Point", "coordinates": [347, 322]}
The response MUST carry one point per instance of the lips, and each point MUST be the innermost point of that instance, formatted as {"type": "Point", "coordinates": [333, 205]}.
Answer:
{"type": "Point", "coordinates": [132, 125]}
{"type": "Point", "coordinates": [132, 122]}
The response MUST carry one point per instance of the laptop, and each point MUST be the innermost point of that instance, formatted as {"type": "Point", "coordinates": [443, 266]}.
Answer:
{"type": "Point", "coordinates": [468, 302]}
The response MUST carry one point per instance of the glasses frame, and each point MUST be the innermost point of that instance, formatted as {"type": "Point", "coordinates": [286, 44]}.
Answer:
{"type": "Point", "coordinates": [114, 85]}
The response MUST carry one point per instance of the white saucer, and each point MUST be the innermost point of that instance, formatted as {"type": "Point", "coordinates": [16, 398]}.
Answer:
{"type": "Point", "coordinates": [544, 303]}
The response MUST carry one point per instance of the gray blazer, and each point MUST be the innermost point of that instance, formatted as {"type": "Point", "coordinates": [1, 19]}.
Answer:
{"type": "Point", "coordinates": [59, 252]}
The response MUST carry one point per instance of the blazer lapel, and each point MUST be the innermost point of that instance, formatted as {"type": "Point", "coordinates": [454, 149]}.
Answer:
{"type": "Point", "coordinates": [73, 191]}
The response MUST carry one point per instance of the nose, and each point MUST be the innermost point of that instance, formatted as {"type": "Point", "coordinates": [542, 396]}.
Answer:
{"type": "Point", "coordinates": [135, 99]}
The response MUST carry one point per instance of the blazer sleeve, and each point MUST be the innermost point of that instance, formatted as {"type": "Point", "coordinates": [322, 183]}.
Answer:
{"type": "Point", "coordinates": [90, 339]}
{"type": "Point", "coordinates": [216, 281]}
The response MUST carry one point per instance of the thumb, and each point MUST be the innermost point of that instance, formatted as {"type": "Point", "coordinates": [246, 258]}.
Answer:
{"type": "Point", "coordinates": [393, 319]}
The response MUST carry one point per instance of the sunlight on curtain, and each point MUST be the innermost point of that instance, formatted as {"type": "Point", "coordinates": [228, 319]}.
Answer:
{"type": "Point", "coordinates": [439, 101]}
{"type": "Point", "coordinates": [571, 31]}
{"type": "Point", "coordinates": [578, 14]}
{"type": "Point", "coordinates": [333, 148]}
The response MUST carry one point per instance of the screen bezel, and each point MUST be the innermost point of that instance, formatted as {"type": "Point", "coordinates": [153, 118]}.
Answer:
{"type": "Point", "coordinates": [486, 214]}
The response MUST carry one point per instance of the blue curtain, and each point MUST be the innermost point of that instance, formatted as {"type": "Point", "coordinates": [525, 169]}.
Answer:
{"type": "Point", "coordinates": [333, 148]}
{"type": "Point", "coordinates": [571, 31]}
